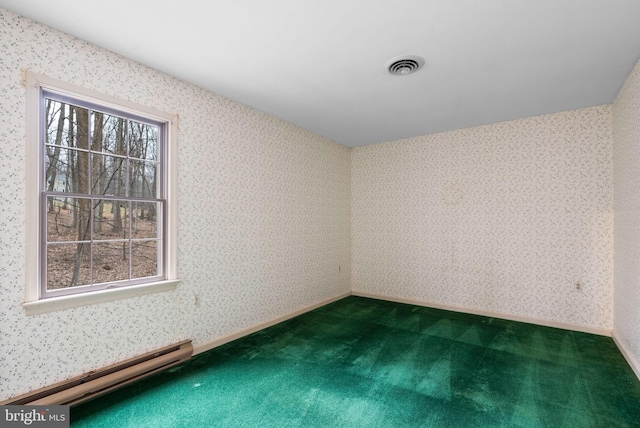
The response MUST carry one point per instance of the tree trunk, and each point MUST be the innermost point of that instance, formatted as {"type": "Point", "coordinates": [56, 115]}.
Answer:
{"type": "Point", "coordinates": [119, 173]}
{"type": "Point", "coordinates": [72, 173]}
{"type": "Point", "coordinates": [83, 216]}
{"type": "Point", "coordinates": [97, 167]}
{"type": "Point", "coordinates": [54, 158]}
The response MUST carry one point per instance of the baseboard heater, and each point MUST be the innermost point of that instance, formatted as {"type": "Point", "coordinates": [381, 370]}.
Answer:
{"type": "Point", "coordinates": [98, 382]}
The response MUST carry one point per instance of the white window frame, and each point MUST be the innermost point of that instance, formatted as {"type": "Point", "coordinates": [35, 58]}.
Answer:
{"type": "Point", "coordinates": [34, 302]}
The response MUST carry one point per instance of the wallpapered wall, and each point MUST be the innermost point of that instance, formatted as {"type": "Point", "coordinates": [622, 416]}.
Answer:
{"type": "Point", "coordinates": [626, 159]}
{"type": "Point", "coordinates": [514, 218]}
{"type": "Point", "coordinates": [264, 218]}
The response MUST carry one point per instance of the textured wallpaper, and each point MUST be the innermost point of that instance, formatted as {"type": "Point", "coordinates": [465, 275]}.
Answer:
{"type": "Point", "coordinates": [626, 149]}
{"type": "Point", "coordinates": [514, 218]}
{"type": "Point", "coordinates": [263, 229]}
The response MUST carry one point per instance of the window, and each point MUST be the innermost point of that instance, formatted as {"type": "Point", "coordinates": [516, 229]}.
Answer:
{"type": "Point", "coordinates": [103, 197]}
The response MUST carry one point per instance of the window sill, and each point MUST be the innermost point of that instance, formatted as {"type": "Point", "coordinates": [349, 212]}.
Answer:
{"type": "Point", "coordinates": [76, 300]}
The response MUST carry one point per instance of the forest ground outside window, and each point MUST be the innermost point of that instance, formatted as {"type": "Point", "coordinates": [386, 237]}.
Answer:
{"type": "Point", "coordinates": [105, 195]}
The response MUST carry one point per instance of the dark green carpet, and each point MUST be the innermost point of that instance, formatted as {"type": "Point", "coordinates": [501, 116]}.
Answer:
{"type": "Point", "coordinates": [368, 363]}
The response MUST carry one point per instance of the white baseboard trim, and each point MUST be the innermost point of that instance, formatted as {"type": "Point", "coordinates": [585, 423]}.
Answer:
{"type": "Point", "coordinates": [635, 365]}
{"type": "Point", "coordinates": [203, 347]}
{"type": "Point", "coordinates": [511, 317]}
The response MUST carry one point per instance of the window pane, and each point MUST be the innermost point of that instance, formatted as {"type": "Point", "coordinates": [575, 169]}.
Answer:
{"type": "Point", "coordinates": [63, 172]}
{"type": "Point", "coordinates": [67, 125]}
{"type": "Point", "coordinates": [57, 123]}
{"type": "Point", "coordinates": [109, 133]}
{"type": "Point", "coordinates": [68, 219]}
{"type": "Point", "coordinates": [68, 265]}
{"type": "Point", "coordinates": [144, 256]}
{"type": "Point", "coordinates": [57, 170]}
{"type": "Point", "coordinates": [145, 219]}
{"type": "Point", "coordinates": [108, 175]}
{"type": "Point", "coordinates": [142, 179]}
{"type": "Point", "coordinates": [110, 261]}
{"type": "Point", "coordinates": [111, 219]}
{"type": "Point", "coordinates": [143, 141]}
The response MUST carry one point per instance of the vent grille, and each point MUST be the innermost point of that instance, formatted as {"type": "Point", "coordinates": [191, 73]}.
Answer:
{"type": "Point", "coordinates": [402, 66]}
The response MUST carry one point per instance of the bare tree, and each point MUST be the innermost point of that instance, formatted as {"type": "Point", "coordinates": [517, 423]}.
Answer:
{"type": "Point", "coordinates": [97, 167]}
{"type": "Point", "coordinates": [53, 153]}
{"type": "Point", "coordinates": [119, 166]}
{"type": "Point", "coordinates": [83, 220]}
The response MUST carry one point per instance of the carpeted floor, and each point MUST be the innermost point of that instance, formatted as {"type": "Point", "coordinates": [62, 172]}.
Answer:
{"type": "Point", "coordinates": [369, 363]}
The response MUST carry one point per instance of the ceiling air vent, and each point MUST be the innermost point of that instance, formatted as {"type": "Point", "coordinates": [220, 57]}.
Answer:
{"type": "Point", "coordinates": [403, 65]}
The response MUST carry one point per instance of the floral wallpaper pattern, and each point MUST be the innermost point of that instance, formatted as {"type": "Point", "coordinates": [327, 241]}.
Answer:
{"type": "Point", "coordinates": [626, 160]}
{"type": "Point", "coordinates": [513, 217]}
{"type": "Point", "coordinates": [263, 228]}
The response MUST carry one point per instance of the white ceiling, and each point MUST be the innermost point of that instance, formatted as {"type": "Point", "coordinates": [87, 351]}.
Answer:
{"type": "Point", "coordinates": [320, 63]}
